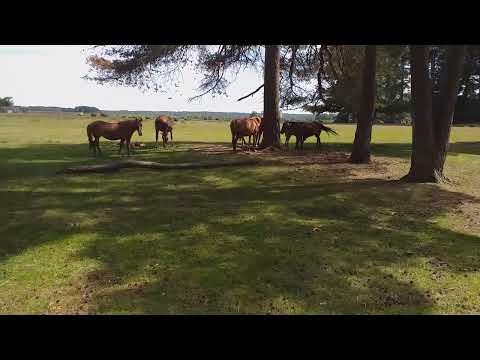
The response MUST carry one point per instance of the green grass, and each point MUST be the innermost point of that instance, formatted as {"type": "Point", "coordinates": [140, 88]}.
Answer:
{"type": "Point", "coordinates": [293, 237]}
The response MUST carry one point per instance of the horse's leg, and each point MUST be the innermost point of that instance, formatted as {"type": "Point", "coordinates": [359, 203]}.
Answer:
{"type": "Point", "coordinates": [92, 146]}
{"type": "Point", "coordinates": [318, 141]}
{"type": "Point", "coordinates": [156, 138]}
{"type": "Point", "coordinates": [249, 142]}
{"type": "Point", "coordinates": [128, 139]}
{"type": "Point", "coordinates": [164, 139]}
{"type": "Point", "coordinates": [297, 141]}
{"type": "Point", "coordinates": [287, 139]}
{"type": "Point", "coordinates": [121, 145]}
{"type": "Point", "coordinates": [97, 144]}
{"type": "Point", "coordinates": [234, 142]}
{"type": "Point", "coordinates": [171, 137]}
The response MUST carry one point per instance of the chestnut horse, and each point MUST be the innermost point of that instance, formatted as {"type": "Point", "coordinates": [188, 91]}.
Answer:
{"type": "Point", "coordinates": [246, 127]}
{"type": "Point", "coordinates": [162, 123]}
{"type": "Point", "coordinates": [122, 130]}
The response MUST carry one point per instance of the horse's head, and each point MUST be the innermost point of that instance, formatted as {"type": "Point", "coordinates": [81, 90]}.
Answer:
{"type": "Point", "coordinates": [285, 127]}
{"type": "Point", "coordinates": [260, 123]}
{"type": "Point", "coordinates": [138, 123]}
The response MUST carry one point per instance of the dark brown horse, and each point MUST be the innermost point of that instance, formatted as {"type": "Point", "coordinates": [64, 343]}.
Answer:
{"type": "Point", "coordinates": [163, 124]}
{"type": "Point", "coordinates": [303, 130]}
{"type": "Point", "coordinates": [122, 130]}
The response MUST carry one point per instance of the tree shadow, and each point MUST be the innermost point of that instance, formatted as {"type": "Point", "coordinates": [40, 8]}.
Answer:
{"type": "Point", "coordinates": [273, 263]}
{"type": "Point", "coordinates": [213, 242]}
{"type": "Point", "coordinates": [243, 240]}
{"type": "Point", "coordinates": [464, 147]}
{"type": "Point", "coordinates": [399, 150]}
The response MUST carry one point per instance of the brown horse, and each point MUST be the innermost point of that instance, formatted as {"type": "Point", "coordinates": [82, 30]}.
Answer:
{"type": "Point", "coordinates": [163, 124]}
{"type": "Point", "coordinates": [122, 130]}
{"type": "Point", "coordinates": [242, 127]}
{"type": "Point", "coordinates": [303, 130]}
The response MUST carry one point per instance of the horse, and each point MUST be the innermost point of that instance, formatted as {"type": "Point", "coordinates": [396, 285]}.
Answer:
{"type": "Point", "coordinates": [303, 130]}
{"type": "Point", "coordinates": [286, 129]}
{"type": "Point", "coordinates": [242, 127]}
{"type": "Point", "coordinates": [122, 130]}
{"type": "Point", "coordinates": [162, 123]}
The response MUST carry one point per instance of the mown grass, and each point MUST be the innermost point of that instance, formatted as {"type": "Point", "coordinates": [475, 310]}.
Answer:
{"type": "Point", "coordinates": [287, 238]}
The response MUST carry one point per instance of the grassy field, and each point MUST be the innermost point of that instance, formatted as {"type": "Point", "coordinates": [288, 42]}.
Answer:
{"type": "Point", "coordinates": [302, 233]}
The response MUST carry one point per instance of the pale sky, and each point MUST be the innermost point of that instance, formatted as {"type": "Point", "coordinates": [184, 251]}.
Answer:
{"type": "Point", "coordinates": [47, 75]}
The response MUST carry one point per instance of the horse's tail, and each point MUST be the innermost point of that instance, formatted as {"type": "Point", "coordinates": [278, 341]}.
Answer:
{"type": "Point", "coordinates": [91, 140]}
{"type": "Point", "coordinates": [327, 129]}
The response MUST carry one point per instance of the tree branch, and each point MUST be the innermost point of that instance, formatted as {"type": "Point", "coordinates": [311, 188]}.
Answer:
{"type": "Point", "coordinates": [118, 165]}
{"type": "Point", "coordinates": [217, 81]}
{"type": "Point", "coordinates": [252, 93]}
{"type": "Point", "coordinates": [330, 62]}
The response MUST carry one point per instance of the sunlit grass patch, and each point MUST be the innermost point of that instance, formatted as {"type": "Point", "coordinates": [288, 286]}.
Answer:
{"type": "Point", "coordinates": [294, 236]}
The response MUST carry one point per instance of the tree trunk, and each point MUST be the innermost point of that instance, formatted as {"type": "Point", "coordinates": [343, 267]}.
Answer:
{"type": "Point", "coordinates": [402, 79]}
{"type": "Point", "coordinates": [449, 84]}
{"type": "Point", "coordinates": [421, 166]}
{"type": "Point", "coordinates": [430, 136]}
{"type": "Point", "coordinates": [271, 102]}
{"type": "Point", "coordinates": [363, 133]}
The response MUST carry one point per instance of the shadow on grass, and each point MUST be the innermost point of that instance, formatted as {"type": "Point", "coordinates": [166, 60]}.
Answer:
{"type": "Point", "coordinates": [472, 148]}
{"type": "Point", "coordinates": [241, 240]}
{"type": "Point", "coordinates": [45, 159]}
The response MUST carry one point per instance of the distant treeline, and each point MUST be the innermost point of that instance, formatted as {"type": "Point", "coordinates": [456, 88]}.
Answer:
{"type": "Point", "coordinates": [181, 115]}
{"type": "Point", "coordinates": [186, 115]}
{"type": "Point", "coordinates": [202, 115]}
{"type": "Point", "coordinates": [77, 109]}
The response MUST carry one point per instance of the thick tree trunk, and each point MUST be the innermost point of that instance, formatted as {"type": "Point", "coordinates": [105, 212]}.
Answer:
{"type": "Point", "coordinates": [449, 85]}
{"type": "Point", "coordinates": [271, 102]}
{"type": "Point", "coordinates": [422, 166]}
{"type": "Point", "coordinates": [363, 134]}
{"type": "Point", "coordinates": [430, 136]}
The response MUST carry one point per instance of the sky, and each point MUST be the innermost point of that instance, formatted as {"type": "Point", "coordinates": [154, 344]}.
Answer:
{"type": "Point", "coordinates": [46, 75]}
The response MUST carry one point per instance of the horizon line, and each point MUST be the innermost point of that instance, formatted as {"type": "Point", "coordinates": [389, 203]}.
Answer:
{"type": "Point", "coordinates": [127, 110]}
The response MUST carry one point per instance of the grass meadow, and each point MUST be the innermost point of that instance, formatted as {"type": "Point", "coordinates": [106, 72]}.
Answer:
{"type": "Point", "coordinates": [301, 233]}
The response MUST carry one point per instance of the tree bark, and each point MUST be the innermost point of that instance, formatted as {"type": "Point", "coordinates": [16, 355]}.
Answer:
{"type": "Point", "coordinates": [449, 85]}
{"type": "Point", "coordinates": [271, 102]}
{"type": "Point", "coordinates": [363, 134]}
{"type": "Point", "coordinates": [421, 165]}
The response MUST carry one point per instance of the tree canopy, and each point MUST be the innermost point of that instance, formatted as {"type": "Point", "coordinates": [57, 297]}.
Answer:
{"type": "Point", "coordinates": [6, 101]}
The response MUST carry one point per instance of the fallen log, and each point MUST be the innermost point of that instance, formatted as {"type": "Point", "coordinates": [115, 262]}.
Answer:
{"type": "Point", "coordinates": [118, 165]}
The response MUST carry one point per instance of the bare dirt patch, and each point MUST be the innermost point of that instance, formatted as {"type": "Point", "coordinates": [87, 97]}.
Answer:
{"type": "Point", "coordinates": [380, 167]}
{"type": "Point", "coordinates": [471, 214]}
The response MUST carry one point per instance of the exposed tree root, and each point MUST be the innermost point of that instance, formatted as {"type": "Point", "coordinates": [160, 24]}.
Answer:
{"type": "Point", "coordinates": [270, 148]}
{"type": "Point", "coordinates": [359, 159]}
{"type": "Point", "coordinates": [416, 178]}
{"type": "Point", "coordinates": [118, 165]}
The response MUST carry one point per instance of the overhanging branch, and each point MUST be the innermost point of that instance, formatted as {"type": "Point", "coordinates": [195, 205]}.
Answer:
{"type": "Point", "coordinates": [252, 93]}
